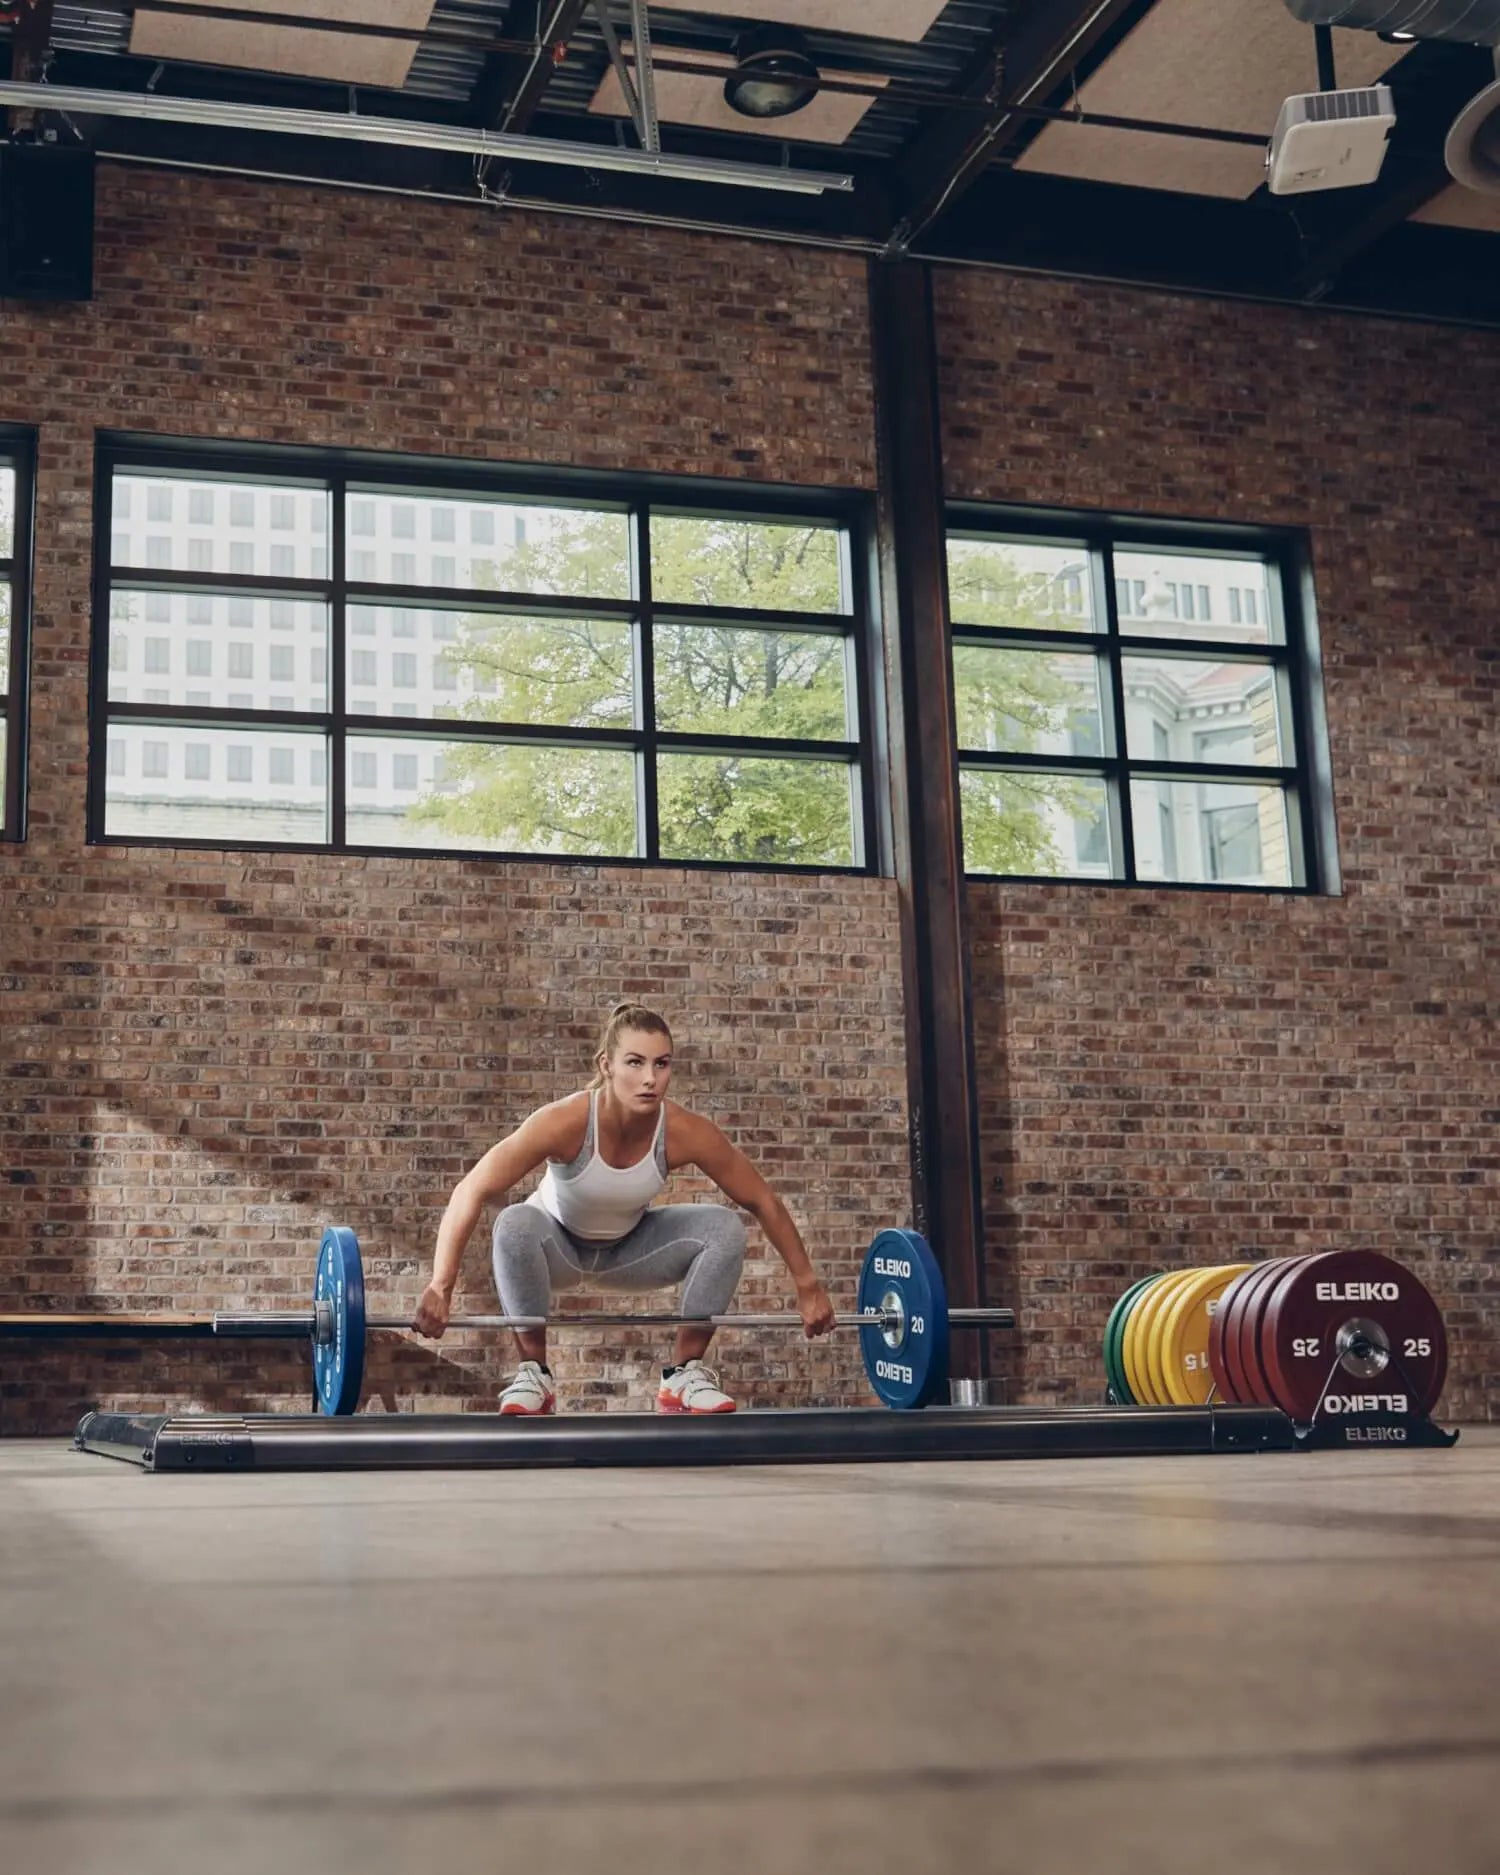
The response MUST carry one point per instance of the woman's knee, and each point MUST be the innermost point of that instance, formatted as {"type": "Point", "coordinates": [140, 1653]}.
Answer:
{"type": "Point", "coordinates": [518, 1234]}
{"type": "Point", "coordinates": [726, 1235]}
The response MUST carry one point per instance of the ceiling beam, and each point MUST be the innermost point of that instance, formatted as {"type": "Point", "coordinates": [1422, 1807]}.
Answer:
{"type": "Point", "coordinates": [1024, 64]}
{"type": "Point", "coordinates": [1064, 226]}
{"type": "Point", "coordinates": [511, 86]}
{"type": "Point", "coordinates": [1432, 84]}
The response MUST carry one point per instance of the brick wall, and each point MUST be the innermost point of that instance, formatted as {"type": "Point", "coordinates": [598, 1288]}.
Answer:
{"type": "Point", "coordinates": [207, 1056]}
{"type": "Point", "coordinates": [1184, 1078]}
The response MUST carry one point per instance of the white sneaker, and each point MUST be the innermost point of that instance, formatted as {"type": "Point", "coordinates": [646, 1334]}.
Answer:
{"type": "Point", "coordinates": [693, 1388]}
{"type": "Point", "coordinates": [531, 1392]}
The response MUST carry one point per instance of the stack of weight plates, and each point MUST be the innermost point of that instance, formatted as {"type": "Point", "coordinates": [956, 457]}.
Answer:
{"type": "Point", "coordinates": [1156, 1341]}
{"type": "Point", "coordinates": [1349, 1331]}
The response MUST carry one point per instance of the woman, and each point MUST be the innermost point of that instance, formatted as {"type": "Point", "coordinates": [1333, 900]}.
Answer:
{"type": "Point", "coordinates": [609, 1150]}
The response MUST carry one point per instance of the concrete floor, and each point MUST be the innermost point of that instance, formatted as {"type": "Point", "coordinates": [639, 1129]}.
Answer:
{"type": "Point", "coordinates": [1276, 1663]}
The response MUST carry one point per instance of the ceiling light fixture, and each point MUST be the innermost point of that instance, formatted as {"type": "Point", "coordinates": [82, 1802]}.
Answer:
{"type": "Point", "coordinates": [452, 138]}
{"type": "Point", "coordinates": [774, 73]}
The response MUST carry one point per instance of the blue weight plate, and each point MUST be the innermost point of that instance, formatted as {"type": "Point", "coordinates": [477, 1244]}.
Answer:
{"type": "Point", "coordinates": [908, 1367]}
{"type": "Point", "coordinates": [339, 1364]}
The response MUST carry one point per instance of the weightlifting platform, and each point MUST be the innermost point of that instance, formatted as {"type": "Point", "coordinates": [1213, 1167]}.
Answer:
{"type": "Point", "coordinates": [842, 1435]}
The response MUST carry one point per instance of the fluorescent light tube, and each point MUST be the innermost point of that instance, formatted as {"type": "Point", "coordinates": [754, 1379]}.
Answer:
{"type": "Point", "coordinates": [83, 103]}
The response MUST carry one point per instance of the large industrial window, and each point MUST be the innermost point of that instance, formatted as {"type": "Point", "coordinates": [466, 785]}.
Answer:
{"type": "Point", "coordinates": [15, 606]}
{"type": "Point", "coordinates": [1135, 702]}
{"type": "Point", "coordinates": [392, 656]}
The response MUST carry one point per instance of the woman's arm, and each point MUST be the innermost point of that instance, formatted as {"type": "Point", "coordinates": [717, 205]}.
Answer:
{"type": "Point", "coordinates": [545, 1134]}
{"type": "Point", "coordinates": [706, 1147]}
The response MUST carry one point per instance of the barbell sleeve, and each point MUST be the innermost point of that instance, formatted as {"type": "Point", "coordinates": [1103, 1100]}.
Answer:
{"type": "Point", "coordinates": [267, 1324]}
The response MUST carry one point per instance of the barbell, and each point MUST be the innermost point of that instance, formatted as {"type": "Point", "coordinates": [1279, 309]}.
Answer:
{"type": "Point", "coordinates": [902, 1317]}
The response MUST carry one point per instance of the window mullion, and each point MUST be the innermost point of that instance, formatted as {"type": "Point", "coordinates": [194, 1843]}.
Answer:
{"type": "Point", "coordinates": [337, 745]}
{"type": "Point", "coordinates": [648, 820]}
{"type": "Point", "coordinates": [1102, 559]}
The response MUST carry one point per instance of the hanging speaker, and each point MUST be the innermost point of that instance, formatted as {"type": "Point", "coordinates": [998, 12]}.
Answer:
{"type": "Point", "coordinates": [46, 221]}
{"type": "Point", "coordinates": [1472, 151]}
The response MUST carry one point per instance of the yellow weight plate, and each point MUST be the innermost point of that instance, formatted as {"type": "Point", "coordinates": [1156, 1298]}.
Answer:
{"type": "Point", "coordinates": [1130, 1348]}
{"type": "Point", "coordinates": [1149, 1346]}
{"type": "Point", "coordinates": [1183, 1334]}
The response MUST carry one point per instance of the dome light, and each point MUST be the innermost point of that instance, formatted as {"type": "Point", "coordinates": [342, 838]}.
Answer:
{"type": "Point", "coordinates": [774, 73]}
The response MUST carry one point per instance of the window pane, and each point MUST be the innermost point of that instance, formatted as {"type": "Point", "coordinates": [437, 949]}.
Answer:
{"type": "Point", "coordinates": [1193, 710]}
{"type": "Point", "coordinates": [1019, 584]}
{"type": "Point", "coordinates": [509, 798]}
{"type": "Point", "coordinates": [206, 650]}
{"type": "Point", "coordinates": [757, 810]}
{"type": "Point", "coordinates": [7, 512]}
{"type": "Point", "coordinates": [1028, 702]}
{"type": "Point", "coordinates": [570, 552]}
{"type": "Point", "coordinates": [185, 544]}
{"type": "Point", "coordinates": [1211, 833]}
{"type": "Point", "coordinates": [1177, 595]}
{"type": "Point", "coordinates": [4, 638]}
{"type": "Point", "coordinates": [776, 566]}
{"type": "Point", "coordinates": [751, 683]}
{"type": "Point", "coordinates": [197, 783]}
{"type": "Point", "coordinates": [572, 673]}
{"type": "Point", "coordinates": [1055, 826]}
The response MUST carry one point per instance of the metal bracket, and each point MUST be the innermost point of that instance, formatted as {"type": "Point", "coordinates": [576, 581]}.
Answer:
{"type": "Point", "coordinates": [639, 86]}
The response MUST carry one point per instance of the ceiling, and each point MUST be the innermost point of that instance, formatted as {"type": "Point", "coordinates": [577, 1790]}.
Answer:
{"type": "Point", "coordinates": [953, 118]}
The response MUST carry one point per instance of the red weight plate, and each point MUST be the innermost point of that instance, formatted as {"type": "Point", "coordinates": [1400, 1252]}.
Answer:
{"type": "Point", "coordinates": [1253, 1327]}
{"type": "Point", "coordinates": [1219, 1329]}
{"type": "Point", "coordinates": [1253, 1334]}
{"type": "Point", "coordinates": [1244, 1361]}
{"type": "Point", "coordinates": [1353, 1289]}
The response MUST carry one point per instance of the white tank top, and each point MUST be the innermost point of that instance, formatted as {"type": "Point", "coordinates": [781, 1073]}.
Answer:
{"type": "Point", "coordinates": [602, 1202]}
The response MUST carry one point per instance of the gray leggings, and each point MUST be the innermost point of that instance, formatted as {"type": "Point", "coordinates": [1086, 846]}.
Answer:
{"type": "Point", "coordinates": [701, 1246]}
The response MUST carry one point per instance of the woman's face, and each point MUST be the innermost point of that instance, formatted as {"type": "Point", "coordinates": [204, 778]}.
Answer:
{"type": "Point", "coordinates": [639, 1069]}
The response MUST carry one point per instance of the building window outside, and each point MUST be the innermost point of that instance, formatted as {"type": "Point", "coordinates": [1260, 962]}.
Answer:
{"type": "Point", "coordinates": [1156, 735]}
{"type": "Point", "coordinates": [16, 474]}
{"type": "Point", "coordinates": [615, 677]}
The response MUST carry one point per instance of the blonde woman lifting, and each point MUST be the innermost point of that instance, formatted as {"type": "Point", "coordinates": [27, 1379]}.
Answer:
{"type": "Point", "coordinates": [609, 1151]}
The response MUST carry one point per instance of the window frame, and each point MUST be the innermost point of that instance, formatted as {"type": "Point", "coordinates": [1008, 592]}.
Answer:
{"type": "Point", "coordinates": [351, 475]}
{"type": "Point", "coordinates": [1305, 783]}
{"type": "Point", "coordinates": [18, 452]}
